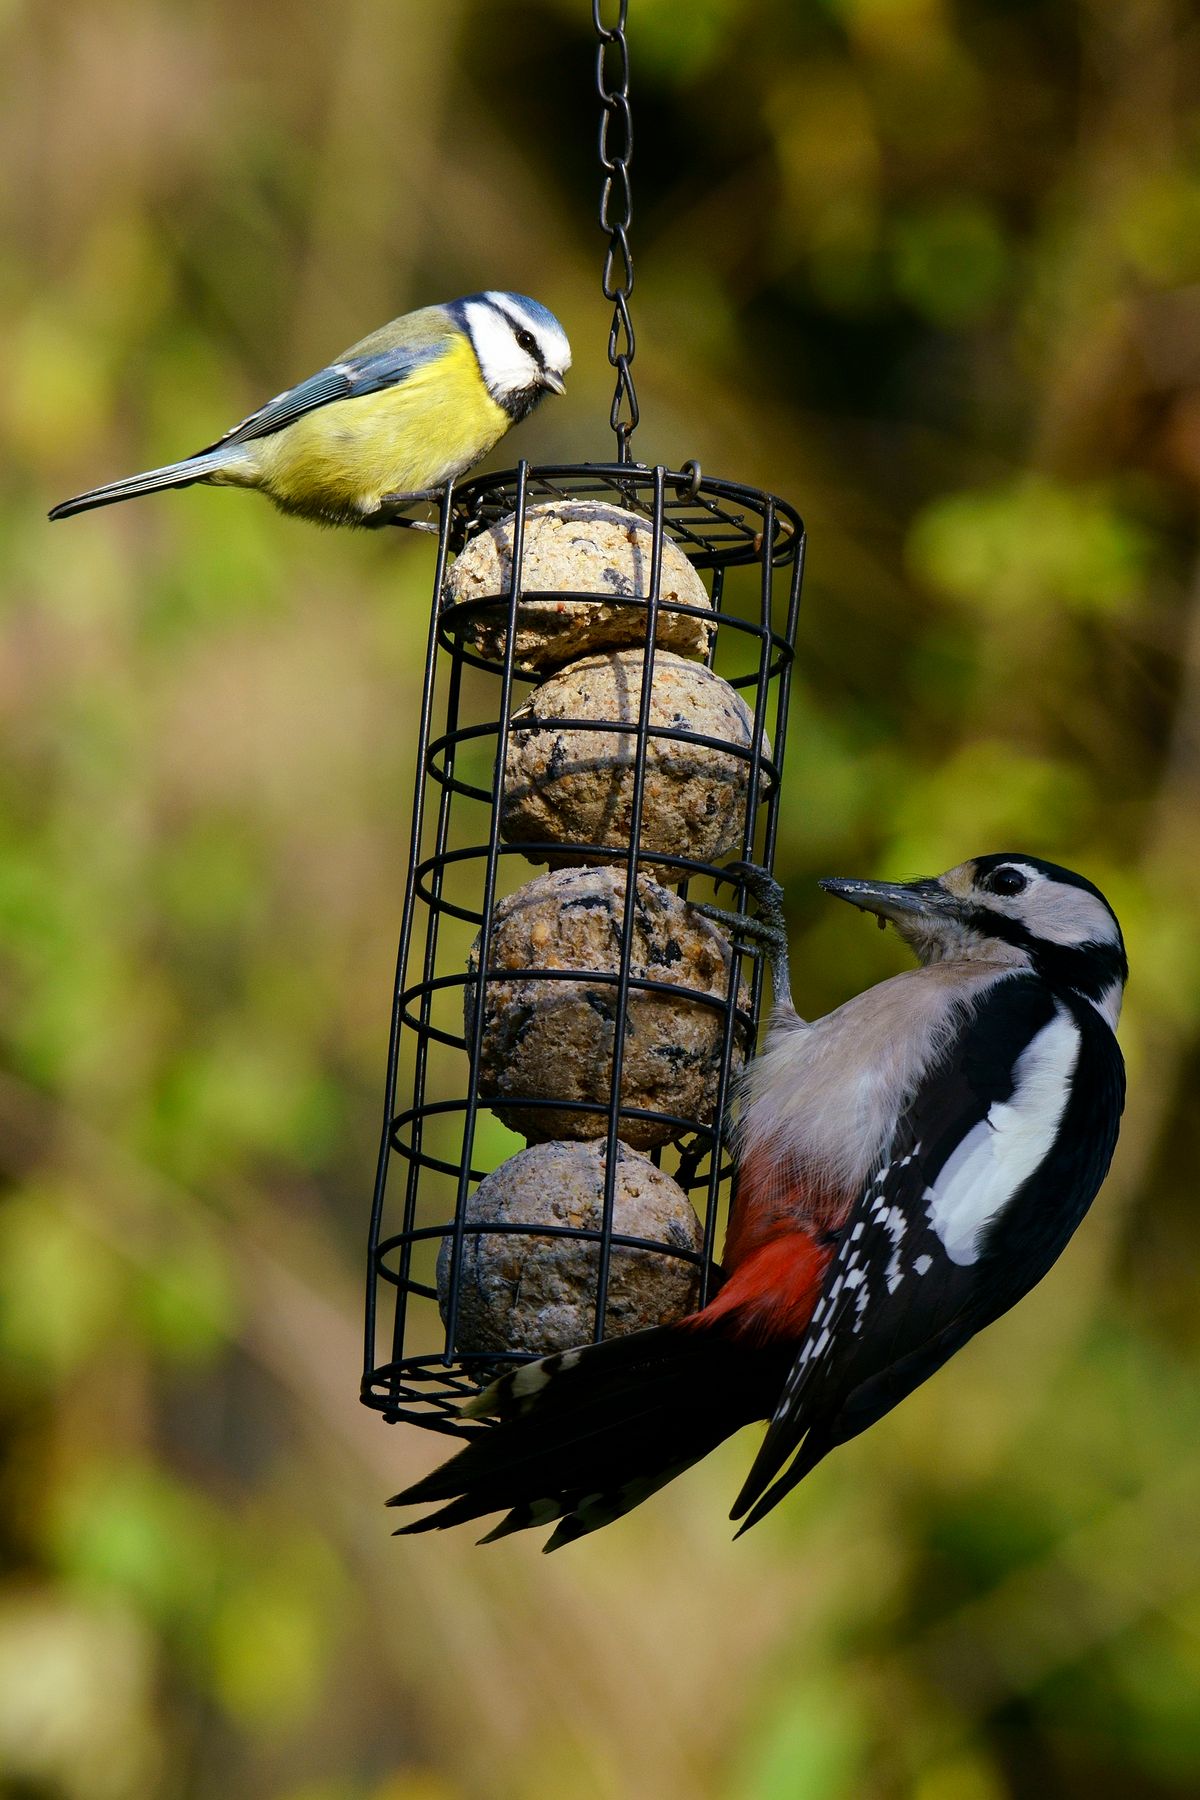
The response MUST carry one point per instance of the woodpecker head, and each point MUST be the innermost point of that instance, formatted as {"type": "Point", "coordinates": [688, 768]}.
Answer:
{"type": "Point", "coordinates": [1009, 908]}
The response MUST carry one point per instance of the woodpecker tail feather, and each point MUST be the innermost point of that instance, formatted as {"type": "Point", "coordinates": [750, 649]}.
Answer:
{"type": "Point", "coordinates": [172, 475]}
{"type": "Point", "coordinates": [586, 1435]}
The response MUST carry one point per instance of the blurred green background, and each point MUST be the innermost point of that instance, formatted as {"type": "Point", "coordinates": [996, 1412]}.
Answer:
{"type": "Point", "coordinates": [932, 272]}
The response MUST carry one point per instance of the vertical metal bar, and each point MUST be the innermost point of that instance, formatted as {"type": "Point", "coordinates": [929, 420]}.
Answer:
{"type": "Point", "coordinates": [429, 969]}
{"type": "Point", "coordinates": [406, 926]}
{"type": "Point", "coordinates": [783, 697]}
{"type": "Point", "coordinates": [718, 601]}
{"type": "Point", "coordinates": [766, 599]}
{"type": "Point", "coordinates": [720, 1110]}
{"type": "Point", "coordinates": [790, 630]}
{"type": "Point", "coordinates": [766, 595]}
{"type": "Point", "coordinates": [631, 870]}
{"type": "Point", "coordinates": [485, 929]}
{"type": "Point", "coordinates": [749, 834]}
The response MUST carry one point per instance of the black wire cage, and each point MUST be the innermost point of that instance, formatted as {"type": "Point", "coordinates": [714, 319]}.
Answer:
{"type": "Point", "coordinates": [440, 1136]}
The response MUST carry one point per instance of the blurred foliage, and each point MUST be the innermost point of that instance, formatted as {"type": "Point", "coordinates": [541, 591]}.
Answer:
{"type": "Point", "coordinates": [932, 272]}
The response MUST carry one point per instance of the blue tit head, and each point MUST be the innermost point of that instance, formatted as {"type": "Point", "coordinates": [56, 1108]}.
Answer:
{"type": "Point", "coordinates": [521, 348]}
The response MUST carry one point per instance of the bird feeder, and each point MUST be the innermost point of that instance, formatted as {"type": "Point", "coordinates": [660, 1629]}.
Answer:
{"type": "Point", "coordinates": [602, 727]}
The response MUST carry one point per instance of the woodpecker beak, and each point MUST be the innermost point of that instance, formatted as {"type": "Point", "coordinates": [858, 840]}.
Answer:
{"type": "Point", "coordinates": [554, 381]}
{"type": "Point", "coordinates": [899, 901]}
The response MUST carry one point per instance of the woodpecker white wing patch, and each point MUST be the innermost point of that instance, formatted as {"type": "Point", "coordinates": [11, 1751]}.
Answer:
{"type": "Point", "coordinates": [1001, 1152]}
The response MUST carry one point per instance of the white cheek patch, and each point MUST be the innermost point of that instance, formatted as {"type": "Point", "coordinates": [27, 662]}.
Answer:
{"type": "Point", "coordinates": [551, 338]}
{"type": "Point", "coordinates": [506, 368]}
{"type": "Point", "coordinates": [1003, 1150]}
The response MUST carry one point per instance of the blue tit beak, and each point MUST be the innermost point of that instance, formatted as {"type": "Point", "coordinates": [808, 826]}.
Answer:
{"type": "Point", "coordinates": [898, 901]}
{"type": "Point", "coordinates": [551, 379]}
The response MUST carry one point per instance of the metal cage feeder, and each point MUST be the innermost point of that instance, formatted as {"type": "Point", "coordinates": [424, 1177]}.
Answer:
{"type": "Point", "coordinates": [439, 1133]}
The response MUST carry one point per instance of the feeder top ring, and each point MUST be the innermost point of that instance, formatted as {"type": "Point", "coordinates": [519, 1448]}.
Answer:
{"type": "Point", "coordinates": [716, 523]}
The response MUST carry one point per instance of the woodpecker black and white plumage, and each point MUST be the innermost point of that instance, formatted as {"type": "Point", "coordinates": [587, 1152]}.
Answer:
{"type": "Point", "coordinates": [909, 1166]}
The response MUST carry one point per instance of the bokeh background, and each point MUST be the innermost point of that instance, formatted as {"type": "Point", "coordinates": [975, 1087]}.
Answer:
{"type": "Point", "coordinates": [931, 271]}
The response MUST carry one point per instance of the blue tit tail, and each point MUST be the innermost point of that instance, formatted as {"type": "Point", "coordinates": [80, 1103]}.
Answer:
{"type": "Point", "coordinates": [205, 467]}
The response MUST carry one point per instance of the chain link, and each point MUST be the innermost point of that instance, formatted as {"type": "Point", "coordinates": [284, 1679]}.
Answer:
{"type": "Point", "coordinates": [616, 209]}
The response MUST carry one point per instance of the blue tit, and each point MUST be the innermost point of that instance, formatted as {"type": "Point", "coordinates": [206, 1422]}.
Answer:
{"type": "Point", "coordinates": [391, 421]}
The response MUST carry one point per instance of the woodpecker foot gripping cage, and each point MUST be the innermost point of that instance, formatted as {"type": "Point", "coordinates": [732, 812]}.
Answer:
{"type": "Point", "coordinates": [440, 1133]}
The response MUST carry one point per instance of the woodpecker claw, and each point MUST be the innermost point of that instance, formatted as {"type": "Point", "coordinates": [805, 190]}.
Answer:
{"type": "Point", "coordinates": [759, 883]}
{"type": "Point", "coordinates": [767, 932]}
{"type": "Point", "coordinates": [739, 929]}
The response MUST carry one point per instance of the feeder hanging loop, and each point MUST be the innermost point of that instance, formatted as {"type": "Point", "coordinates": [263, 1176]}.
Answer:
{"type": "Point", "coordinates": [616, 212]}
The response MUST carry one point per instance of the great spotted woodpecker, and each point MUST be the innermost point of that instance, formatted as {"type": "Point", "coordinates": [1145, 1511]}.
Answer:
{"type": "Point", "coordinates": [909, 1166]}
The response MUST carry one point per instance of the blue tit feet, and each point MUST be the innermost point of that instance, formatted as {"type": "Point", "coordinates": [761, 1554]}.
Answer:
{"type": "Point", "coordinates": [393, 507]}
{"type": "Point", "coordinates": [766, 932]}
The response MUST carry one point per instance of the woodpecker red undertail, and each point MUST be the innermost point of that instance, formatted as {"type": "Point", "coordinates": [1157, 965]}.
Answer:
{"type": "Point", "coordinates": [909, 1166]}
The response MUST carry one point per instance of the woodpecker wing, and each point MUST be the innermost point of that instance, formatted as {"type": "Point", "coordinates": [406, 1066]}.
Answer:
{"type": "Point", "coordinates": [992, 1165]}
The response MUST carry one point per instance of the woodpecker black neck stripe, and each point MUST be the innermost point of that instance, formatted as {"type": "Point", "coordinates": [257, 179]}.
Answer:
{"type": "Point", "coordinates": [1087, 969]}
{"type": "Point", "coordinates": [1090, 971]}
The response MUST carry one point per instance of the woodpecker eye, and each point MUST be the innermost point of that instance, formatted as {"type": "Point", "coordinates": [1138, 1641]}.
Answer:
{"type": "Point", "coordinates": [1005, 880]}
{"type": "Point", "coordinates": [527, 341]}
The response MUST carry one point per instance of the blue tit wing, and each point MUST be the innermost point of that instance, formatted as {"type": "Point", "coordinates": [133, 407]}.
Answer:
{"type": "Point", "coordinates": [354, 374]}
{"type": "Point", "coordinates": [992, 1166]}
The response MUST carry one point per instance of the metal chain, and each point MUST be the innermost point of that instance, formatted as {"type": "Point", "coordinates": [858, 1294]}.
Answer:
{"type": "Point", "coordinates": [616, 210]}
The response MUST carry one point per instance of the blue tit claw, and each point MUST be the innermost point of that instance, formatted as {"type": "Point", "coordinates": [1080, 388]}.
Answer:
{"type": "Point", "coordinates": [393, 509]}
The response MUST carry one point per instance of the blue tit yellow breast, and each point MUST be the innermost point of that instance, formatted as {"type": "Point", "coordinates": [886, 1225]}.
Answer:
{"type": "Point", "coordinates": [338, 462]}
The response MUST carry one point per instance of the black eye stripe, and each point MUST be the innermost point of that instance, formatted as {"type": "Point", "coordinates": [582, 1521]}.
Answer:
{"type": "Point", "coordinates": [528, 342]}
{"type": "Point", "coordinates": [525, 339]}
